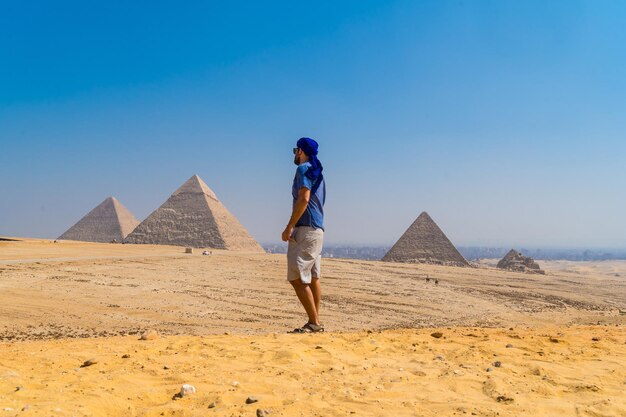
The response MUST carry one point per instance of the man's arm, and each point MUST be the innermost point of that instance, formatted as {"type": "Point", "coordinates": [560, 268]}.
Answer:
{"type": "Point", "coordinates": [304, 195]}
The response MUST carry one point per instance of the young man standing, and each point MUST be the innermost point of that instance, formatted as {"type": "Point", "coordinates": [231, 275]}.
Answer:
{"type": "Point", "coordinates": [305, 232]}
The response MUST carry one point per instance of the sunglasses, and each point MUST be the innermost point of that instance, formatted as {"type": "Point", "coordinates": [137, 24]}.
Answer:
{"type": "Point", "coordinates": [295, 150]}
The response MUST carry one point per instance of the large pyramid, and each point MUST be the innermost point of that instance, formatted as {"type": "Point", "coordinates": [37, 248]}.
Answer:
{"type": "Point", "coordinates": [193, 216]}
{"type": "Point", "coordinates": [424, 242]}
{"type": "Point", "coordinates": [109, 221]}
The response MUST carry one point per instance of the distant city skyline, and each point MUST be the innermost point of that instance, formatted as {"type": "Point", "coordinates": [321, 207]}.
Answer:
{"type": "Point", "coordinates": [503, 120]}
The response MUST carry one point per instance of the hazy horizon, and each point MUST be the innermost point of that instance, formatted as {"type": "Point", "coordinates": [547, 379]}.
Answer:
{"type": "Point", "coordinates": [503, 120]}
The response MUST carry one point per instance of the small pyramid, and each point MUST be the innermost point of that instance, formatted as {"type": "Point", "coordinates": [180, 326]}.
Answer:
{"type": "Point", "coordinates": [515, 261]}
{"type": "Point", "coordinates": [424, 242]}
{"type": "Point", "coordinates": [193, 216]}
{"type": "Point", "coordinates": [109, 221]}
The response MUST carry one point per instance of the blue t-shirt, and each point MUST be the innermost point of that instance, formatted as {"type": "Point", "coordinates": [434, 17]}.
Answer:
{"type": "Point", "coordinates": [314, 213]}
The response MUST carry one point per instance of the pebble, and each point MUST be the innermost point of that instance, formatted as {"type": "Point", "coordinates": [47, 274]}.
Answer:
{"type": "Point", "coordinates": [235, 383]}
{"type": "Point", "coordinates": [440, 358]}
{"type": "Point", "coordinates": [213, 405]}
{"type": "Point", "coordinates": [436, 335]}
{"type": "Point", "coordinates": [489, 369]}
{"type": "Point", "coordinates": [186, 390]}
{"type": "Point", "coordinates": [166, 367]}
{"type": "Point", "coordinates": [595, 339]}
{"type": "Point", "coordinates": [150, 335]}
{"type": "Point", "coordinates": [509, 346]}
{"type": "Point", "coordinates": [262, 413]}
{"type": "Point", "coordinates": [497, 364]}
{"type": "Point", "coordinates": [90, 362]}
{"type": "Point", "coordinates": [251, 400]}
{"type": "Point", "coordinates": [125, 356]}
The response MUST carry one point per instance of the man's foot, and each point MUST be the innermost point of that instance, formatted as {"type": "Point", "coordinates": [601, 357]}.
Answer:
{"type": "Point", "coordinates": [309, 328]}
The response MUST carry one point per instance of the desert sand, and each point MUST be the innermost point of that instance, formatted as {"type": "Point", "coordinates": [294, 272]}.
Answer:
{"type": "Point", "coordinates": [64, 303]}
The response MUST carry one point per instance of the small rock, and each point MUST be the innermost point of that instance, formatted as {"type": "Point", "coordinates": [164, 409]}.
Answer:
{"type": "Point", "coordinates": [440, 358]}
{"type": "Point", "coordinates": [166, 367]}
{"type": "Point", "coordinates": [89, 362]}
{"type": "Point", "coordinates": [125, 356]}
{"type": "Point", "coordinates": [497, 364]}
{"type": "Point", "coordinates": [318, 347]}
{"type": "Point", "coordinates": [20, 388]}
{"type": "Point", "coordinates": [186, 390]}
{"type": "Point", "coordinates": [489, 369]}
{"type": "Point", "coordinates": [235, 383]}
{"type": "Point", "coordinates": [150, 335]}
{"type": "Point", "coordinates": [504, 399]}
{"type": "Point", "coordinates": [251, 400]}
{"type": "Point", "coordinates": [26, 407]}
{"type": "Point", "coordinates": [213, 405]}
{"type": "Point", "coordinates": [595, 339]}
{"type": "Point", "coordinates": [509, 346]}
{"type": "Point", "coordinates": [436, 335]}
{"type": "Point", "coordinates": [554, 340]}
{"type": "Point", "coordinates": [262, 413]}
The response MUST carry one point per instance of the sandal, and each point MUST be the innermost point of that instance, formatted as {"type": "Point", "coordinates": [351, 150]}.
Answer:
{"type": "Point", "coordinates": [309, 328]}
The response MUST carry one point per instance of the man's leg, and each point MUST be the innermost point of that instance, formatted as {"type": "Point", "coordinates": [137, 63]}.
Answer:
{"type": "Point", "coordinates": [305, 295]}
{"type": "Point", "coordinates": [316, 289]}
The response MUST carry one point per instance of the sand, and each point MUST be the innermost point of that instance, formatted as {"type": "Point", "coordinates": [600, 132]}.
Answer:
{"type": "Point", "coordinates": [68, 302]}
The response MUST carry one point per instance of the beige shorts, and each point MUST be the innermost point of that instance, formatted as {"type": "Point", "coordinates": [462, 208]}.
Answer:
{"type": "Point", "coordinates": [304, 254]}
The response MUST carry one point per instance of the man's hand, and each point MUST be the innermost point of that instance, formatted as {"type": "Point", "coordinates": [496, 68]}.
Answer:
{"type": "Point", "coordinates": [287, 233]}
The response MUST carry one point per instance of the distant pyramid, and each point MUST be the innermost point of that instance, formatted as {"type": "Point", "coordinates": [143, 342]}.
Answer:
{"type": "Point", "coordinates": [424, 242]}
{"type": "Point", "coordinates": [109, 221]}
{"type": "Point", "coordinates": [515, 261]}
{"type": "Point", "coordinates": [193, 216]}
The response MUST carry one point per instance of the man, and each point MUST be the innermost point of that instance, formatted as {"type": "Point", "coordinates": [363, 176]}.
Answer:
{"type": "Point", "coordinates": [305, 232]}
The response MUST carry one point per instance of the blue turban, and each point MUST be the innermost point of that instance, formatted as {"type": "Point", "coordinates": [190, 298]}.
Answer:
{"type": "Point", "coordinates": [314, 173]}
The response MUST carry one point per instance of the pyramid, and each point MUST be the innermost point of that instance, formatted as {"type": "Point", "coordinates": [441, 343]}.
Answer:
{"type": "Point", "coordinates": [193, 216]}
{"type": "Point", "coordinates": [515, 261]}
{"type": "Point", "coordinates": [109, 221]}
{"type": "Point", "coordinates": [424, 242]}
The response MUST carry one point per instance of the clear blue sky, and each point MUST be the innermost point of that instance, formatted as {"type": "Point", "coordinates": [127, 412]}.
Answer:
{"type": "Point", "coordinates": [505, 120]}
